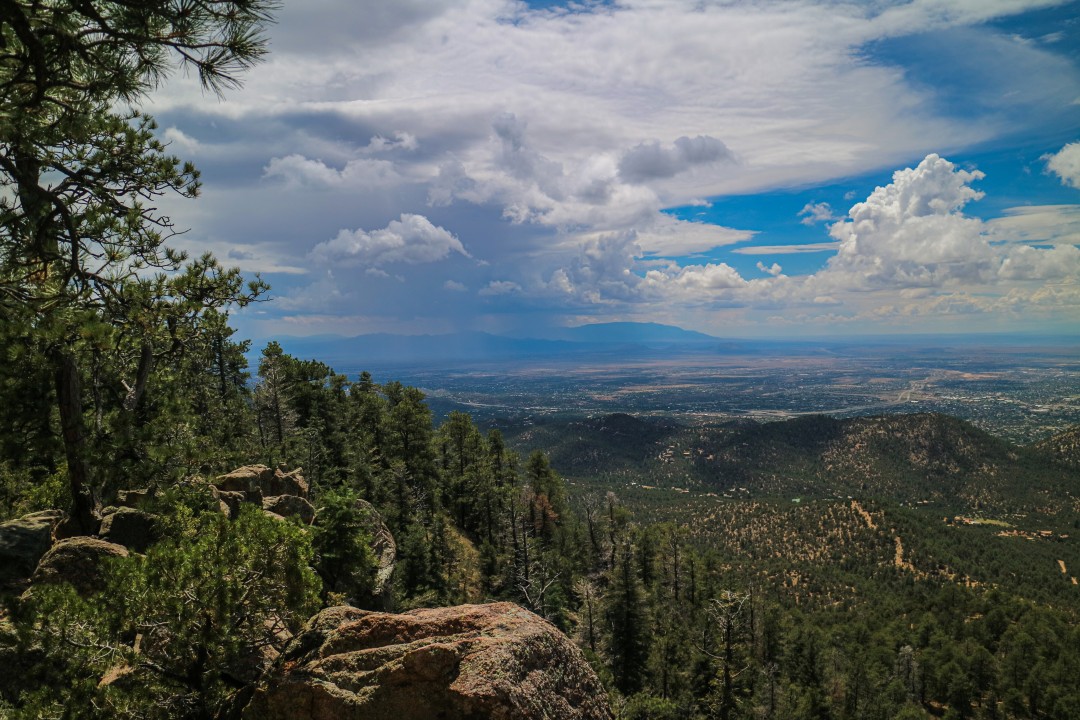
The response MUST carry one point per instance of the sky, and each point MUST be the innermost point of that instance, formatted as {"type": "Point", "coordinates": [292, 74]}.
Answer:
{"type": "Point", "coordinates": [743, 168]}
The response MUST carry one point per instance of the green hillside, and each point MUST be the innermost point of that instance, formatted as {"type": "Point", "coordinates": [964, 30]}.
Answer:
{"type": "Point", "coordinates": [917, 458]}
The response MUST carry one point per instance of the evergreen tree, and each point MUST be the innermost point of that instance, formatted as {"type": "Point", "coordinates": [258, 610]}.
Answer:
{"type": "Point", "coordinates": [466, 481]}
{"type": "Point", "coordinates": [77, 240]}
{"type": "Point", "coordinates": [627, 621]}
{"type": "Point", "coordinates": [368, 462]}
{"type": "Point", "coordinates": [409, 442]}
{"type": "Point", "coordinates": [342, 548]}
{"type": "Point", "coordinates": [203, 603]}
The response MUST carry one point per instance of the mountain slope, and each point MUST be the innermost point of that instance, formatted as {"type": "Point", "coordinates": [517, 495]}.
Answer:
{"type": "Point", "coordinates": [928, 458]}
{"type": "Point", "coordinates": [1063, 448]}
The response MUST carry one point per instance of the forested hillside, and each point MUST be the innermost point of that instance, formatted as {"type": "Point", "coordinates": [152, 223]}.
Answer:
{"type": "Point", "coordinates": [689, 604]}
{"type": "Point", "coordinates": [917, 458]}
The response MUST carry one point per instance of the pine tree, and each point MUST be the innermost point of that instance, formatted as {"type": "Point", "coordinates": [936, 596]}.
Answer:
{"type": "Point", "coordinates": [627, 620]}
{"type": "Point", "coordinates": [78, 240]}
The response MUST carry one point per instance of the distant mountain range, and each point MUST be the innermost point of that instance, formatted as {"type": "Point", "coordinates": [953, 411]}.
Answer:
{"type": "Point", "coordinates": [612, 341]}
{"type": "Point", "coordinates": [629, 333]}
{"type": "Point", "coordinates": [383, 348]}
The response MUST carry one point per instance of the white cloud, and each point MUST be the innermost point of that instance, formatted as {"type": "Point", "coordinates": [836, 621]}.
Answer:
{"type": "Point", "coordinates": [671, 237]}
{"type": "Point", "coordinates": [251, 258]}
{"type": "Point", "coordinates": [551, 141]}
{"type": "Point", "coordinates": [602, 271]}
{"type": "Point", "coordinates": [908, 250]}
{"type": "Point", "coordinates": [912, 233]}
{"type": "Point", "coordinates": [787, 87]}
{"type": "Point", "coordinates": [1025, 262]}
{"type": "Point", "coordinates": [786, 249]}
{"type": "Point", "coordinates": [813, 213]}
{"type": "Point", "coordinates": [180, 142]}
{"type": "Point", "coordinates": [1066, 164]}
{"type": "Point", "coordinates": [918, 15]}
{"type": "Point", "coordinates": [410, 240]}
{"type": "Point", "coordinates": [521, 160]}
{"type": "Point", "coordinates": [1042, 224]}
{"type": "Point", "coordinates": [297, 170]}
{"type": "Point", "coordinates": [455, 286]}
{"type": "Point", "coordinates": [701, 278]}
{"type": "Point", "coordinates": [500, 287]}
{"type": "Point", "coordinates": [560, 282]}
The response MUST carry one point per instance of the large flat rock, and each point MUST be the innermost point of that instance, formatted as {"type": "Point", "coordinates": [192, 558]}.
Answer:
{"type": "Point", "coordinates": [459, 663]}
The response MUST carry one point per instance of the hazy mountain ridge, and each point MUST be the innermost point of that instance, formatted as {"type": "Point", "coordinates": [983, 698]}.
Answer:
{"type": "Point", "coordinates": [621, 337]}
{"type": "Point", "coordinates": [629, 332]}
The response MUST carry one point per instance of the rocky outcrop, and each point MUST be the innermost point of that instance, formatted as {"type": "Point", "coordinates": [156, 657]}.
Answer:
{"type": "Point", "coordinates": [23, 542]}
{"type": "Point", "coordinates": [263, 480]}
{"type": "Point", "coordinates": [229, 502]}
{"type": "Point", "coordinates": [495, 661]}
{"type": "Point", "coordinates": [134, 529]}
{"type": "Point", "coordinates": [280, 494]}
{"type": "Point", "coordinates": [78, 561]}
{"type": "Point", "coordinates": [140, 499]}
{"type": "Point", "coordinates": [290, 506]}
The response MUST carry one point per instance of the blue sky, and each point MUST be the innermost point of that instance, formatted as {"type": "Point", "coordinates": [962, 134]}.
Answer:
{"type": "Point", "coordinates": [796, 167]}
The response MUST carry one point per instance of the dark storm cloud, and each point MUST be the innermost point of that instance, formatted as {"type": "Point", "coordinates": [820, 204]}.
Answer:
{"type": "Point", "coordinates": [653, 161]}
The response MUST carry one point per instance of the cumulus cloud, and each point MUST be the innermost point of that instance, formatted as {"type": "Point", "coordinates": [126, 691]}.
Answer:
{"type": "Point", "coordinates": [551, 140]}
{"type": "Point", "coordinates": [1066, 164]}
{"type": "Point", "coordinates": [698, 278]}
{"type": "Point", "coordinates": [455, 286]}
{"type": "Point", "coordinates": [451, 182]}
{"type": "Point", "coordinates": [813, 213]}
{"type": "Point", "coordinates": [254, 258]}
{"type": "Point", "coordinates": [410, 240]}
{"type": "Point", "coordinates": [653, 161]}
{"type": "Point", "coordinates": [911, 232]}
{"type": "Point", "coordinates": [604, 269]}
{"type": "Point", "coordinates": [297, 170]}
{"type": "Point", "coordinates": [907, 250]}
{"type": "Point", "coordinates": [320, 295]}
{"type": "Point", "coordinates": [1025, 262]}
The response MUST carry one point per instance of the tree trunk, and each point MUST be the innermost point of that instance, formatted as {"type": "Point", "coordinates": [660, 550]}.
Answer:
{"type": "Point", "coordinates": [84, 511]}
{"type": "Point", "coordinates": [142, 376]}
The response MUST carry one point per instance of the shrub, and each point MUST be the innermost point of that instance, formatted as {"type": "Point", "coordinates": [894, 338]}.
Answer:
{"type": "Point", "coordinates": [174, 629]}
